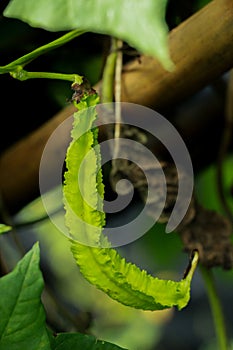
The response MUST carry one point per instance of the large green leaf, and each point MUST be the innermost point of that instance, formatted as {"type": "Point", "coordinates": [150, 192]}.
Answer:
{"type": "Point", "coordinates": [22, 316]}
{"type": "Point", "coordinates": [76, 341]}
{"type": "Point", "coordinates": [140, 23]}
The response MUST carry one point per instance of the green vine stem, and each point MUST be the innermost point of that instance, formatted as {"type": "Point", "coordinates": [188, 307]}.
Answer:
{"type": "Point", "coordinates": [108, 78]}
{"type": "Point", "coordinates": [22, 61]}
{"type": "Point", "coordinates": [216, 308]}
{"type": "Point", "coordinates": [22, 75]}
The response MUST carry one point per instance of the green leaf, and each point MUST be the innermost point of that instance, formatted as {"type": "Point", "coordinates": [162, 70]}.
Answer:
{"type": "Point", "coordinates": [140, 23]}
{"type": "Point", "coordinates": [76, 341]}
{"type": "Point", "coordinates": [22, 323]}
{"type": "Point", "coordinates": [5, 228]}
{"type": "Point", "coordinates": [104, 267]}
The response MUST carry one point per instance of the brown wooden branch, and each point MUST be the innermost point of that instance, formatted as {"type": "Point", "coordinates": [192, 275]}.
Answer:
{"type": "Point", "coordinates": [201, 49]}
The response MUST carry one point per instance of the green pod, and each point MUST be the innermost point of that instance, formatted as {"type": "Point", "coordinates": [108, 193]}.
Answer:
{"type": "Point", "coordinates": [85, 219]}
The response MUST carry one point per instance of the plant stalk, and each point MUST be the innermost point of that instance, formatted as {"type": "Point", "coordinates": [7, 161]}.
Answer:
{"type": "Point", "coordinates": [215, 305]}
{"type": "Point", "coordinates": [108, 78]}
{"type": "Point", "coordinates": [22, 61]}
{"type": "Point", "coordinates": [22, 75]}
{"type": "Point", "coordinates": [118, 122]}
